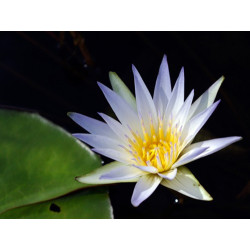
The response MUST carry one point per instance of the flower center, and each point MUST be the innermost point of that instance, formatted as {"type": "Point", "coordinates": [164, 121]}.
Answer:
{"type": "Point", "coordinates": [159, 147]}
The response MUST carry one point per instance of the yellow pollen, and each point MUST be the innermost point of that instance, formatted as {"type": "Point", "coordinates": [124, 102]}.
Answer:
{"type": "Point", "coordinates": [158, 147]}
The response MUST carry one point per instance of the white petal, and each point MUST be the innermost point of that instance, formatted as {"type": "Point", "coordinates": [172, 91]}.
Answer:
{"type": "Point", "coordinates": [196, 123]}
{"type": "Point", "coordinates": [184, 110]}
{"type": "Point", "coordinates": [177, 97]}
{"type": "Point", "coordinates": [185, 183]}
{"type": "Point", "coordinates": [212, 145]}
{"type": "Point", "coordinates": [189, 156]}
{"type": "Point", "coordinates": [94, 176]}
{"type": "Point", "coordinates": [122, 109]}
{"type": "Point", "coordinates": [149, 169]}
{"type": "Point", "coordinates": [98, 141]}
{"type": "Point", "coordinates": [114, 154]}
{"type": "Point", "coordinates": [162, 91]}
{"type": "Point", "coordinates": [121, 131]}
{"type": "Point", "coordinates": [206, 99]}
{"type": "Point", "coordinates": [144, 101]}
{"type": "Point", "coordinates": [169, 175]}
{"type": "Point", "coordinates": [123, 173]}
{"type": "Point", "coordinates": [145, 186]}
{"type": "Point", "coordinates": [91, 125]}
{"type": "Point", "coordinates": [121, 89]}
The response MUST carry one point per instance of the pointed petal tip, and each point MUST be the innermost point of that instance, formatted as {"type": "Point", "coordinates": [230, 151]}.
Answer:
{"type": "Point", "coordinates": [221, 79]}
{"type": "Point", "coordinates": [112, 74]}
{"type": "Point", "coordinates": [135, 202]}
{"type": "Point", "coordinates": [77, 178]}
{"type": "Point", "coordinates": [99, 84]}
{"type": "Point", "coordinates": [192, 93]}
{"type": "Point", "coordinates": [215, 104]}
{"type": "Point", "coordinates": [134, 69]}
{"type": "Point", "coordinates": [218, 83]}
{"type": "Point", "coordinates": [181, 71]}
{"type": "Point", "coordinates": [70, 114]}
{"type": "Point", "coordinates": [207, 196]}
{"type": "Point", "coordinates": [76, 135]}
{"type": "Point", "coordinates": [210, 198]}
{"type": "Point", "coordinates": [102, 86]}
{"type": "Point", "coordinates": [164, 58]}
{"type": "Point", "coordinates": [164, 61]}
{"type": "Point", "coordinates": [236, 138]}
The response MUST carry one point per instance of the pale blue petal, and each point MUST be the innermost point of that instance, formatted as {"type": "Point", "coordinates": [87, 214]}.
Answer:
{"type": "Point", "coordinates": [91, 125]}
{"type": "Point", "coordinates": [122, 109]}
{"type": "Point", "coordinates": [145, 186]}
{"type": "Point", "coordinates": [117, 127]}
{"type": "Point", "coordinates": [196, 123]}
{"type": "Point", "coordinates": [98, 141]}
{"type": "Point", "coordinates": [144, 101]}
{"type": "Point", "coordinates": [162, 91]}
{"type": "Point", "coordinates": [212, 145]}
{"type": "Point", "coordinates": [189, 156]}
{"type": "Point", "coordinates": [114, 154]}
{"type": "Point", "coordinates": [183, 112]}
{"type": "Point", "coordinates": [206, 99]}
{"type": "Point", "coordinates": [177, 98]}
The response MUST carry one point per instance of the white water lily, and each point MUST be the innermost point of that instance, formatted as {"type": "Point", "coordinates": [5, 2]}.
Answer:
{"type": "Point", "coordinates": [151, 142]}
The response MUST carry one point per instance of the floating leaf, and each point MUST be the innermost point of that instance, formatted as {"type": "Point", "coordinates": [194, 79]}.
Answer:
{"type": "Point", "coordinates": [84, 204]}
{"type": "Point", "coordinates": [38, 160]}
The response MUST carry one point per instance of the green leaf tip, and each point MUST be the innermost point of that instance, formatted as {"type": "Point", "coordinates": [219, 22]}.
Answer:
{"type": "Point", "coordinates": [121, 89]}
{"type": "Point", "coordinates": [222, 78]}
{"type": "Point", "coordinates": [69, 114]}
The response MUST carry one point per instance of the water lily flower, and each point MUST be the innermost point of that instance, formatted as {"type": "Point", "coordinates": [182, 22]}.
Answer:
{"type": "Point", "coordinates": [152, 139]}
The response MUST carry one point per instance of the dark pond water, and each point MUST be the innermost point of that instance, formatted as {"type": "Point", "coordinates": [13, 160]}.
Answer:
{"type": "Point", "coordinates": [56, 72]}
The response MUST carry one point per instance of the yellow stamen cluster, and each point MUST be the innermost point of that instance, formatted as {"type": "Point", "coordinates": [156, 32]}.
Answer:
{"type": "Point", "coordinates": [158, 148]}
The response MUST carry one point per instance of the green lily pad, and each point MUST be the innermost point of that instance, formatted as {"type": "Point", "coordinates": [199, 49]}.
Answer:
{"type": "Point", "coordinates": [84, 204]}
{"type": "Point", "coordinates": [38, 160]}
